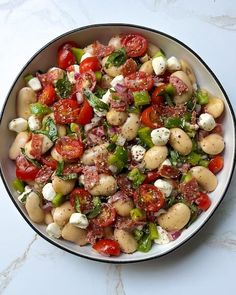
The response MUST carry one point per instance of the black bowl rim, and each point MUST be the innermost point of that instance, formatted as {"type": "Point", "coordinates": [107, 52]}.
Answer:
{"type": "Point", "coordinates": [135, 27]}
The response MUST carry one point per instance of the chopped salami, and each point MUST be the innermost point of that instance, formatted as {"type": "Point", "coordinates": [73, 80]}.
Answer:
{"type": "Point", "coordinates": [169, 111]}
{"type": "Point", "coordinates": [128, 67]}
{"type": "Point", "coordinates": [36, 146]}
{"type": "Point", "coordinates": [194, 118]}
{"type": "Point", "coordinates": [127, 223]}
{"type": "Point", "coordinates": [125, 185]}
{"type": "Point", "coordinates": [72, 168]}
{"type": "Point", "coordinates": [96, 136]}
{"type": "Point", "coordinates": [168, 171]}
{"type": "Point", "coordinates": [189, 189]}
{"type": "Point", "coordinates": [91, 177]}
{"type": "Point", "coordinates": [118, 196]}
{"type": "Point", "coordinates": [184, 168]}
{"type": "Point", "coordinates": [101, 164]}
{"type": "Point", "coordinates": [119, 101]}
{"type": "Point", "coordinates": [179, 85]}
{"type": "Point", "coordinates": [94, 232]}
{"type": "Point", "coordinates": [50, 77]}
{"type": "Point", "coordinates": [44, 174]}
{"type": "Point", "coordinates": [101, 50]}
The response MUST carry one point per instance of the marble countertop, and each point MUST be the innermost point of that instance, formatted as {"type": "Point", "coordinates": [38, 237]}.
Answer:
{"type": "Point", "coordinates": [29, 264]}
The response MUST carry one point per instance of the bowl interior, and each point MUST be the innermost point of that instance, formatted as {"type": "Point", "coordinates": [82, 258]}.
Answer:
{"type": "Point", "coordinates": [46, 58]}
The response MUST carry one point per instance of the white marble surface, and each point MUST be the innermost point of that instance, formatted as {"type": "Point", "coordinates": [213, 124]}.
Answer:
{"type": "Point", "coordinates": [30, 265]}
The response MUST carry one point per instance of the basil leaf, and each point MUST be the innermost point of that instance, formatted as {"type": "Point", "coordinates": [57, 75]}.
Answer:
{"type": "Point", "coordinates": [60, 167]}
{"type": "Point", "coordinates": [68, 176]}
{"type": "Point", "coordinates": [52, 129]}
{"type": "Point", "coordinates": [99, 92]}
{"type": "Point", "coordinates": [63, 87]}
{"type": "Point", "coordinates": [96, 207]}
{"type": "Point", "coordinates": [77, 205]}
{"type": "Point", "coordinates": [39, 109]}
{"type": "Point", "coordinates": [117, 58]}
{"type": "Point", "coordinates": [34, 162]}
{"type": "Point", "coordinates": [95, 102]}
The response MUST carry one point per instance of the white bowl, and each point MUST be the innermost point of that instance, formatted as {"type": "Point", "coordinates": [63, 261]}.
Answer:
{"type": "Point", "coordinates": [46, 58]}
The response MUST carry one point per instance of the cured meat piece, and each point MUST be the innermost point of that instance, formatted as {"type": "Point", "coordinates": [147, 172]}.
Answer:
{"type": "Point", "coordinates": [36, 146]}
{"type": "Point", "coordinates": [127, 223]}
{"type": "Point", "coordinates": [168, 171]}
{"type": "Point", "coordinates": [101, 50]}
{"type": "Point", "coordinates": [91, 177]}
{"type": "Point", "coordinates": [128, 67]}
{"type": "Point", "coordinates": [125, 185]}
{"type": "Point", "coordinates": [189, 189]}
{"type": "Point", "coordinates": [44, 174]}
{"type": "Point", "coordinates": [179, 85]}
{"type": "Point", "coordinates": [96, 136]}
{"type": "Point", "coordinates": [94, 232]}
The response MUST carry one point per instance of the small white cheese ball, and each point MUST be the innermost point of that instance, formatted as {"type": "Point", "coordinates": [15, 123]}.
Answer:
{"type": "Point", "coordinates": [79, 220]}
{"type": "Point", "coordinates": [117, 80]}
{"type": "Point", "coordinates": [159, 65]}
{"type": "Point", "coordinates": [164, 186]}
{"type": "Point", "coordinates": [106, 97]}
{"type": "Point", "coordinates": [85, 55]}
{"type": "Point", "coordinates": [167, 162]}
{"type": "Point", "coordinates": [163, 237]}
{"type": "Point", "coordinates": [48, 192]}
{"type": "Point", "coordinates": [53, 230]}
{"type": "Point", "coordinates": [18, 125]}
{"type": "Point", "coordinates": [35, 84]}
{"type": "Point", "coordinates": [206, 122]}
{"type": "Point", "coordinates": [160, 136]}
{"type": "Point", "coordinates": [137, 152]}
{"type": "Point", "coordinates": [34, 123]}
{"type": "Point", "coordinates": [173, 64]}
{"type": "Point", "coordinates": [22, 197]}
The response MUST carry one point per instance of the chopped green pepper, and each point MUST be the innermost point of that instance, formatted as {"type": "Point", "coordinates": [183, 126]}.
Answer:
{"type": "Point", "coordinates": [145, 243]}
{"type": "Point", "coordinates": [18, 185]}
{"type": "Point", "coordinates": [170, 90]}
{"type": "Point", "coordinates": [78, 53]}
{"type": "Point", "coordinates": [159, 53]}
{"type": "Point", "coordinates": [186, 177]}
{"type": "Point", "coordinates": [141, 98]}
{"type": "Point", "coordinates": [203, 163]}
{"type": "Point", "coordinates": [133, 109]}
{"type": "Point", "coordinates": [74, 127]}
{"type": "Point", "coordinates": [138, 234]}
{"type": "Point", "coordinates": [136, 177]}
{"type": "Point", "coordinates": [144, 134]}
{"type": "Point", "coordinates": [202, 97]}
{"type": "Point", "coordinates": [111, 147]}
{"type": "Point", "coordinates": [193, 158]}
{"type": "Point", "coordinates": [119, 158]}
{"type": "Point", "coordinates": [28, 77]}
{"type": "Point", "coordinates": [137, 214]}
{"type": "Point", "coordinates": [98, 75]}
{"type": "Point", "coordinates": [153, 231]}
{"type": "Point", "coordinates": [57, 200]}
{"type": "Point", "coordinates": [39, 109]}
{"type": "Point", "coordinates": [117, 58]}
{"type": "Point", "coordinates": [122, 153]}
{"type": "Point", "coordinates": [173, 122]}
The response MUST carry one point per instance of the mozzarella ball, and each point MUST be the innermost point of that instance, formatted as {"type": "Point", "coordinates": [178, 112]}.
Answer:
{"type": "Point", "coordinates": [34, 123]}
{"type": "Point", "coordinates": [48, 192]}
{"type": "Point", "coordinates": [18, 125]}
{"type": "Point", "coordinates": [35, 84]}
{"type": "Point", "coordinates": [159, 65]}
{"type": "Point", "coordinates": [53, 230]}
{"type": "Point", "coordinates": [79, 220]}
{"type": "Point", "coordinates": [173, 64]}
{"type": "Point", "coordinates": [164, 186]}
{"type": "Point", "coordinates": [206, 122]}
{"type": "Point", "coordinates": [160, 136]}
{"type": "Point", "coordinates": [163, 237]}
{"type": "Point", "coordinates": [137, 152]}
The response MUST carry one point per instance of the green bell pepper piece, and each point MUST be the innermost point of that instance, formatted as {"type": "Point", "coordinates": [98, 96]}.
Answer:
{"type": "Point", "coordinates": [39, 109]}
{"type": "Point", "coordinates": [141, 98]}
{"type": "Point", "coordinates": [193, 158]}
{"type": "Point", "coordinates": [138, 234]}
{"type": "Point", "coordinates": [144, 133]}
{"type": "Point", "coordinates": [74, 127]}
{"type": "Point", "coordinates": [18, 185]}
{"type": "Point", "coordinates": [98, 75]}
{"type": "Point", "coordinates": [204, 163]}
{"type": "Point", "coordinates": [202, 97]}
{"type": "Point", "coordinates": [136, 177]}
{"type": "Point", "coordinates": [186, 177]}
{"type": "Point", "coordinates": [173, 122]}
{"type": "Point", "coordinates": [159, 53]}
{"type": "Point", "coordinates": [28, 77]}
{"type": "Point", "coordinates": [137, 214]}
{"type": "Point", "coordinates": [145, 243]}
{"type": "Point", "coordinates": [78, 53]}
{"type": "Point", "coordinates": [121, 153]}
{"type": "Point", "coordinates": [58, 200]}
{"type": "Point", "coordinates": [170, 90]}
{"type": "Point", "coordinates": [153, 231]}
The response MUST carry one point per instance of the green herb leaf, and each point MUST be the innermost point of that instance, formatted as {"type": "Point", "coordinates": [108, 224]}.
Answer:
{"type": "Point", "coordinates": [95, 102]}
{"type": "Point", "coordinates": [77, 205]}
{"type": "Point", "coordinates": [99, 92]}
{"type": "Point", "coordinates": [63, 87]}
{"type": "Point", "coordinates": [52, 129]}
{"type": "Point", "coordinates": [34, 162]}
{"type": "Point", "coordinates": [96, 207]}
{"type": "Point", "coordinates": [60, 167]}
{"type": "Point", "coordinates": [117, 58]}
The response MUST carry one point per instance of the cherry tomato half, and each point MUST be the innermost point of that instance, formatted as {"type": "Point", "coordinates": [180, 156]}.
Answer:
{"type": "Point", "coordinates": [86, 114]}
{"type": "Point", "coordinates": [216, 164]}
{"type": "Point", "coordinates": [203, 201]}
{"type": "Point", "coordinates": [149, 198]}
{"type": "Point", "coordinates": [48, 95]}
{"type": "Point", "coordinates": [90, 63]}
{"type": "Point", "coordinates": [85, 80]}
{"type": "Point", "coordinates": [135, 45]}
{"type": "Point", "coordinates": [49, 162]}
{"type": "Point", "coordinates": [69, 148]}
{"type": "Point", "coordinates": [156, 97]}
{"type": "Point", "coordinates": [66, 111]}
{"type": "Point", "coordinates": [152, 176]}
{"type": "Point", "coordinates": [65, 57]}
{"type": "Point", "coordinates": [84, 197]}
{"type": "Point", "coordinates": [106, 217]}
{"type": "Point", "coordinates": [107, 247]}
{"type": "Point", "coordinates": [25, 170]}
{"type": "Point", "coordinates": [139, 81]}
{"type": "Point", "coordinates": [150, 118]}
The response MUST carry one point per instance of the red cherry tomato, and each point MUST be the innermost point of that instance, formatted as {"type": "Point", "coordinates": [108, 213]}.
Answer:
{"type": "Point", "coordinates": [106, 217]}
{"type": "Point", "coordinates": [149, 198]}
{"type": "Point", "coordinates": [139, 81]}
{"type": "Point", "coordinates": [203, 201]}
{"type": "Point", "coordinates": [216, 164]}
{"type": "Point", "coordinates": [86, 114]}
{"type": "Point", "coordinates": [85, 80]}
{"type": "Point", "coordinates": [152, 176]}
{"type": "Point", "coordinates": [25, 170]}
{"type": "Point", "coordinates": [48, 95]}
{"type": "Point", "coordinates": [107, 247]}
{"type": "Point", "coordinates": [135, 45]}
{"type": "Point", "coordinates": [150, 118]}
{"type": "Point", "coordinates": [84, 197]}
{"type": "Point", "coordinates": [156, 97]}
{"type": "Point", "coordinates": [90, 63]}
{"type": "Point", "coordinates": [49, 162]}
{"type": "Point", "coordinates": [69, 148]}
{"type": "Point", "coordinates": [65, 57]}
{"type": "Point", "coordinates": [66, 111]}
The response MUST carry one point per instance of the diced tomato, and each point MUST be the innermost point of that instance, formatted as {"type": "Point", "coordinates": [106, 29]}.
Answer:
{"type": "Point", "coordinates": [86, 114]}
{"type": "Point", "coordinates": [69, 148]}
{"type": "Point", "coordinates": [134, 44]}
{"type": "Point", "coordinates": [151, 176]}
{"type": "Point", "coordinates": [90, 64]}
{"type": "Point", "coordinates": [157, 97]}
{"type": "Point", "coordinates": [65, 57]}
{"type": "Point", "coordinates": [48, 95]}
{"type": "Point", "coordinates": [24, 169]}
{"type": "Point", "coordinates": [106, 217]}
{"type": "Point", "coordinates": [203, 201]}
{"type": "Point", "coordinates": [85, 80]}
{"type": "Point", "coordinates": [84, 198]}
{"type": "Point", "coordinates": [150, 118]}
{"type": "Point", "coordinates": [36, 146]}
{"type": "Point", "coordinates": [149, 198]}
{"type": "Point", "coordinates": [49, 161]}
{"type": "Point", "coordinates": [139, 81]}
{"type": "Point", "coordinates": [169, 171]}
{"type": "Point", "coordinates": [66, 111]}
{"type": "Point", "coordinates": [216, 164]}
{"type": "Point", "coordinates": [107, 247]}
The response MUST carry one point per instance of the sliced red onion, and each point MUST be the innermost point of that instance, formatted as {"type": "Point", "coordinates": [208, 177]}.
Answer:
{"type": "Point", "coordinates": [120, 88]}
{"type": "Point", "coordinates": [47, 207]}
{"type": "Point", "coordinates": [76, 75]}
{"type": "Point", "coordinates": [79, 97]}
{"type": "Point", "coordinates": [174, 234]}
{"type": "Point", "coordinates": [130, 97]}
